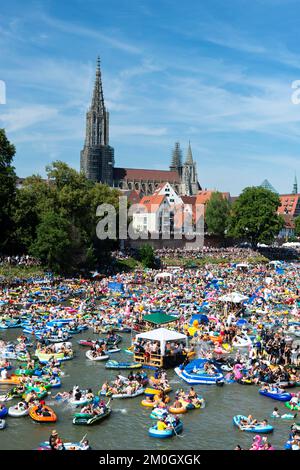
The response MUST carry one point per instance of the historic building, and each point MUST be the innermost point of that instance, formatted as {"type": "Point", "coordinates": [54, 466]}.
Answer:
{"type": "Point", "coordinates": [97, 157]}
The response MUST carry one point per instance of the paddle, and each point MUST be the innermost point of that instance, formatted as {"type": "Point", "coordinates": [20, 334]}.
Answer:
{"type": "Point", "coordinates": [176, 433]}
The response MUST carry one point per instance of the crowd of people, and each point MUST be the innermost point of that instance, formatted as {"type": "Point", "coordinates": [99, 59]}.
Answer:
{"type": "Point", "coordinates": [19, 260]}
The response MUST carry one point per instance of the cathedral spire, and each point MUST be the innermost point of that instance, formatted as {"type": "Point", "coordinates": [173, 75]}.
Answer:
{"type": "Point", "coordinates": [98, 99]}
{"type": "Point", "coordinates": [176, 161]}
{"type": "Point", "coordinates": [295, 186]}
{"type": "Point", "coordinates": [97, 157]}
{"type": "Point", "coordinates": [189, 155]}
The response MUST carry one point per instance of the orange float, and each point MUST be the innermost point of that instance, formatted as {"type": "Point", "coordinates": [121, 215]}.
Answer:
{"type": "Point", "coordinates": [40, 418]}
{"type": "Point", "coordinates": [12, 380]}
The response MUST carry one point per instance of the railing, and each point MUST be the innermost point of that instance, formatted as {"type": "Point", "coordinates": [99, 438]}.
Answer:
{"type": "Point", "coordinates": [155, 360]}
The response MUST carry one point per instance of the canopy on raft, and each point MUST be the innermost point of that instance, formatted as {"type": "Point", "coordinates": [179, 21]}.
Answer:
{"type": "Point", "coordinates": [159, 318]}
{"type": "Point", "coordinates": [163, 336]}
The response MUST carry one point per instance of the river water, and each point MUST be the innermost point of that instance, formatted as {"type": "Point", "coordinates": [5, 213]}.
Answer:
{"type": "Point", "coordinates": [127, 426]}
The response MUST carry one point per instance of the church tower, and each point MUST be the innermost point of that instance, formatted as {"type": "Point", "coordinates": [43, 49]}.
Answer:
{"type": "Point", "coordinates": [295, 186]}
{"type": "Point", "coordinates": [176, 162]}
{"type": "Point", "coordinates": [97, 157]}
{"type": "Point", "coordinates": [189, 177]}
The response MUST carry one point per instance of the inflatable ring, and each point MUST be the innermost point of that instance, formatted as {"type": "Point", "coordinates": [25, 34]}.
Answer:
{"type": "Point", "coordinates": [177, 411]}
{"type": "Point", "coordinates": [149, 404]}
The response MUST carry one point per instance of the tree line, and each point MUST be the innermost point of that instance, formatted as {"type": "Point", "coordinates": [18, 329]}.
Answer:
{"type": "Point", "coordinates": [54, 219]}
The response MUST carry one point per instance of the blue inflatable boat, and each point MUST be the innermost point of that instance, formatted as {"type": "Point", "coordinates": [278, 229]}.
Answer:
{"type": "Point", "coordinates": [275, 395]}
{"type": "Point", "coordinates": [258, 428]}
{"type": "Point", "coordinates": [194, 373]}
{"type": "Point", "coordinates": [154, 432]}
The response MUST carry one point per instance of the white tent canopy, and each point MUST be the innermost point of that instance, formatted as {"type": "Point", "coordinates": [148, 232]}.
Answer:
{"type": "Point", "coordinates": [234, 297]}
{"type": "Point", "coordinates": [168, 276]}
{"type": "Point", "coordinates": [163, 336]}
{"type": "Point", "coordinates": [291, 244]}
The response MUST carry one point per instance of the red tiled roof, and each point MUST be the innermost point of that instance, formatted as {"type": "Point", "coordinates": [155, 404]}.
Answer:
{"type": "Point", "coordinates": [188, 200]}
{"type": "Point", "coordinates": [288, 204]}
{"type": "Point", "coordinates": [135, 174]}
{"type": "Point", "coordinates": [152, 203]}
{"type": "Point", "coordinates": [204, 196]}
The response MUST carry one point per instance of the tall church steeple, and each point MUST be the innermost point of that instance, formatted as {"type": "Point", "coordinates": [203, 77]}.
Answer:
{"type": "Point", "coordinates": [295, 186]}
{"type": "Point", "coordinates": [97, 157]}
{"type": "Point", "coordinates": [189, 156]}
{"type": "Point", "coordinates": [176, 161]}
{"type": "Point", "coordinates": [97, 118]}
{"type": "Point", "coordinates": [189, 177]}
{"type": "Point", "coordinates": [98, 99]}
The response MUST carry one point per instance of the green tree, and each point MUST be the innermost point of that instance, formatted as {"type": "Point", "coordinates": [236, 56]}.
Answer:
{"type": "Point", "coordinates": [254, 216]}
{"type": "Point", "coordinates": [146, 256]}
{"type": "Point", "coordinates": [216, 214]}
{"type": "Point", "coordinates": [7, 190]}
{"type": "Point", "coordinates": [33, 199]}
{"type": "Point", "coordinates": [54, 244]}
{"type": "Point", "coordinates": [297, 226]}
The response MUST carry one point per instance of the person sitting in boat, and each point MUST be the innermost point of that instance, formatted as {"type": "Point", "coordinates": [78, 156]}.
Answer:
{"type": "Point", "coordinates": [172, 421]}
{"type": "Point", "coordinates": [177, 404]}
{"type": "Point", "coordinates": [3, 374]}
{"type": "Point", "coordinates": [89, 394]}
{"type": "Point", "coordinates": [151, 399]}
{"type": "Point", "coordinates": [63, 395]}
{"type": "Point", "coordinates": [210, 369]}
{"type": "Point", "coordinates": [98, 410]}
{"type": "Point", "coordinates": [192, 394]}
{"type": "Point", "coordinates": [249, 422]}
{"type": "Point", "coordinates": [78, 395]}
{"type": "Point", "coordinates": [22, 406]}
{"type": "Point", "coordinates": [85, 445]}
{"type": "Point", "coordinates": [39, 410]}
{"type": "Point", "coordinates": [45, 412]}
{"type": "Point", "coordinates": [161, 425]}
{"type": "Point", "coordinates": [58, 444]}
{"type": "Point", "coordinates": [294, 401]}
{"type": "Point", "coordinates": [52, 439]}
{"type": "Point", "coordinates": [87, 409]}
{"type": "Point", "coordinates": [104, 387]}
{"type": "Point", "coordinates": [129, 390]}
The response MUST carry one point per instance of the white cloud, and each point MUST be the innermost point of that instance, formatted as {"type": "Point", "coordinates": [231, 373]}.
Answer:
{"type": "Point", "coordinates": [135, 130]}
{"type": "Point", "coordinates": [20, 118]}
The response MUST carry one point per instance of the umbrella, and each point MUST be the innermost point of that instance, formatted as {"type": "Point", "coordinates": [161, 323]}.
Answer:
{"type": "Point", "coordinates": [234, 297]}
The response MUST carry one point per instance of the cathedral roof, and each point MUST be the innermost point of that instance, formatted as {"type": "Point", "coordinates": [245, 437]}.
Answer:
{"type": "Point", "coordinates": [137, 174]}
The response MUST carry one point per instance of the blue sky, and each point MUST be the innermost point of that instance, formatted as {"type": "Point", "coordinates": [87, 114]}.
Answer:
{"type": "Point", "coordinates": [215, 72]}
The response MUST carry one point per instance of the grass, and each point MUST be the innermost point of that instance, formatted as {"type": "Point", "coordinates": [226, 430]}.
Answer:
{"type": "Point", "coordinates": [209, 260]}
{"type": "Point", "coordinates": [23, 272]}
{"type": "Point", "coordinates": [128, 264]}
